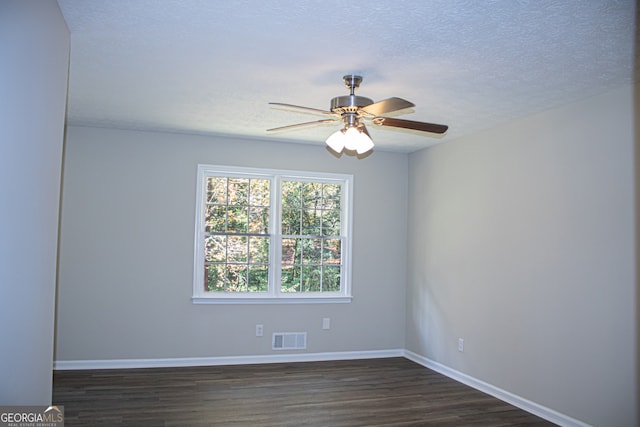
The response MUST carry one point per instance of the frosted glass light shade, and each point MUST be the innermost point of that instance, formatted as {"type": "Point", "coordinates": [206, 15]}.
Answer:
{"type": "Point", "coordinates": [336, 141]}
{"type": "Point", "coordinates": [351, 139]}
{"type": "Point", "coordinates": [364, 144]}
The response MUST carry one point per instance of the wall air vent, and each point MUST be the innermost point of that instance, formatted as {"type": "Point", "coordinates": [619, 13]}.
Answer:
{"type": "Point", "coordinates": [289, 341]}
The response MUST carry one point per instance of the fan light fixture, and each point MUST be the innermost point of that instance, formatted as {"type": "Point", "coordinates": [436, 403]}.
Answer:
{"type": "Point", "coordinates": [350, 138]}
{"type": "Point", "coordinates": [352, 110]}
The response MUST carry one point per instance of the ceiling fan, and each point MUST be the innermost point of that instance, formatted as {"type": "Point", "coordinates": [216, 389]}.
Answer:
{"type": "Point", "coordinates": [352, 110]}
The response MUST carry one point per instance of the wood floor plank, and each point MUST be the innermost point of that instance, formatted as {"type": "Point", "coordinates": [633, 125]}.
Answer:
{"type": "Point", "coordinates": [372, 392]}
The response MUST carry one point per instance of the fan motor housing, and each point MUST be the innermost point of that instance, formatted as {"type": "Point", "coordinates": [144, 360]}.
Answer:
{"type": "Point", "coordinates": [349, 103]}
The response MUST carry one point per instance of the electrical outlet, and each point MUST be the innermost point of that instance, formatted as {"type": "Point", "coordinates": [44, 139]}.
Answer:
{"type": "Point", "coordinates": [460, 345]}
{"type": "Point", "coordinates": [259, 330]}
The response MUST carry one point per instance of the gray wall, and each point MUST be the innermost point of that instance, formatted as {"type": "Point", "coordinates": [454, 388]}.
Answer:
{"type": "Point", "coordinates": [521, 242]}
{"type": "Point", "coordinates": [126, 251]}
{"type": "Point", "coordinates": [34, 47]}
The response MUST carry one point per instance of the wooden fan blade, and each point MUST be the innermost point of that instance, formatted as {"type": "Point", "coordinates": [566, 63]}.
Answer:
{"type": "Point", "coordinates": [387, 105]}
{"type": "Point", "coordinates": [313, 110]}
{"type": "Point", "coordinates": [410, 124]}
{"type": "Point", "coordinates": [299, 125]}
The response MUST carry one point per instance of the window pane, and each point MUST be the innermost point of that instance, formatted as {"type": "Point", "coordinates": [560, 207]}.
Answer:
{"type": "Point", "coordinates": [238, 191]}
{"type": "Point", "coordinates": [331, 253]}
{"type": "Point", "coordinates": [331, 279]}
{"type": "Point", "coordinates": [291, 221]}
{"type": "Point", "coordinates": [291, 249]}
{"type": "Point", "coordinates": [214, 278]}
{"type": "Point", "coordinates": [215, 219]}
{"type": "Point", "coordinates": [331, 194]}
{"type": "Point", "coordinates": [259, 250]}
{"type": "Point", "coordinates": [331, 223]}
{"type": "Point", "coordinates": [291, 194]}
{"type": "Point", "coordinates": [215, 248]}
{"type": "Point", "coordinates": [312, 195]}
{"type": "Point", "coordinates": [311, 251]}
{"type": "Point", "coordinates": [310, 222]}
{"type": "Point", "coordinates": [238, 219]}
{"type": "Point", "coordinates": [237, 249]}
{"type": "Point", "coordinates": [290, 279]}
{"type": "Point", "coordinates": [217, 190]}
{"type": "Point", "coordinates": [311, 278]}
{"type": "Point", "coordinates": [260, 192]}
{"type": "Point", "coordinates": [259, 220]}
{"type": "Point", "coordinates": [236, 275]}
{"type": "Point", "coordinates": [258, 279]}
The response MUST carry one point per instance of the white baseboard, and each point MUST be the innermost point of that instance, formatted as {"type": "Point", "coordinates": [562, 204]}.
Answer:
{"type": "Point", "coordinates": [64, 365]}
{"type": "Point", "coordinates": [520, 402]}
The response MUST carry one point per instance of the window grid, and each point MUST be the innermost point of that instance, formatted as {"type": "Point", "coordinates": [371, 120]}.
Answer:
{"type": "Point", "coordinates": [236, 270]}
{"type": "Point", "coordinates": [313, 203]}
{"type": "Point", "coordinates": [248, 227]}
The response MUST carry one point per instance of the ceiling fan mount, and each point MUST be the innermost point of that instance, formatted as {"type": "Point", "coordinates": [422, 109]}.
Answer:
{"type": "Point", "coordinates": [352, 82]}
{"type": "Point", "coordinates": [352, 110]}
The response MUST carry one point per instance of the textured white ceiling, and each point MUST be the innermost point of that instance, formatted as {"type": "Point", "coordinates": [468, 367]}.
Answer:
{"type": "Point", "coordinates": [212, 66]}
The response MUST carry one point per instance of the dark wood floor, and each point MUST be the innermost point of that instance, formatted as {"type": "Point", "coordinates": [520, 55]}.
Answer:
{"type": "Point", "coordinates": [375, 392]}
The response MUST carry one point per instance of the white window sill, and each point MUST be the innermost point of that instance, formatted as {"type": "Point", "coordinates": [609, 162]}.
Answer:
{"type": "Point", "coordinates": [271, 300]}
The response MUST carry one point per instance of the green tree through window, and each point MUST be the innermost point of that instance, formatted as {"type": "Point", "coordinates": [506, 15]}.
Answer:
{"type": "Point", "coordinates": [237, 235]}
{"type": "Point", "coordinates": [311, 241]}
{"type": "Point", "coordinates": [271, 234]}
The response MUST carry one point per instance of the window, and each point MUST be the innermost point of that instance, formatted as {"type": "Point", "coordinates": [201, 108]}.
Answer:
{"type": "Point", "coordinates": [272, 236]}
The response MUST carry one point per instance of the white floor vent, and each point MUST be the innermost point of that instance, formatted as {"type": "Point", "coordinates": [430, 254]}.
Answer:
{"type": "Point", "coordinates": [289, 341]}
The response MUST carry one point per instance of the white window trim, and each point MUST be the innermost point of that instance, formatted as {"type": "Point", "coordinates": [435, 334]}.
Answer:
{"type": "Point", "coordinates": [273, 296]}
